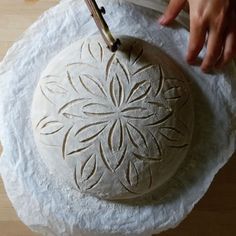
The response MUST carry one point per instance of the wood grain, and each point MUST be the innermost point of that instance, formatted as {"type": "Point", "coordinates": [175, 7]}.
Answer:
{"type": "Point", "coordinates": [214, 215]}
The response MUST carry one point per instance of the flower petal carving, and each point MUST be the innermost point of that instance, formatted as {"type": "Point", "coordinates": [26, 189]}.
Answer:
{"type": "Point", "coordinates": [50, 89]}
{"type": "Point", "coordinates": [139, 91]}
{"type": "Point", "coordinates": [88, 169]}
{"type": "Point", "coordinates": [90, 132]}
{"type": "Point", "coordinates": [161, 115]}
{"type": "Point", "coordinates": [51, 127]}
{"type": "Point", "coordinates": [174, 89]}
{"type": "Point", "coordinates": [171, 134]}
{"type": "Point", "coordinates": [54, 87]}
{"type": "Point", "coordinates": [116, 68]}
{"type": "Point", "coordinates": [137, 113]}
{"type": "Point", "coordinates": [116, 136]}
{"type": "Point", "coordinates": [136, 136]}
{"type": "Point", "coordinates": [116, 91]}
{"type": "Point", "coordinates": [132, 175]}
{"type": "Point", "coordinates": [92, 85]}
{"type": "Point", "coordinates": [72, 109]}
{"type": "Point", "coordinates": [97, 109]}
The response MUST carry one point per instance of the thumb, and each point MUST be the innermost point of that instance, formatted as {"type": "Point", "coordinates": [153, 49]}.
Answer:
{"type": "Point", "coordinates": [173, 9]}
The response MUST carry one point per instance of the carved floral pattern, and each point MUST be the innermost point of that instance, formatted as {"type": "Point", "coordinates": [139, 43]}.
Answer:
{"type": "Point", "coordinates": [117, 117]}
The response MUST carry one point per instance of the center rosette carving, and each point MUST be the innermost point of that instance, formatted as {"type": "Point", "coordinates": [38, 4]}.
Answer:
{"type": "Point", "coordinates": [114, 118]}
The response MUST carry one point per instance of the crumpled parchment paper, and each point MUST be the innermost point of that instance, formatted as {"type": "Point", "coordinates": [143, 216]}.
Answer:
{"type": "Point", "coordinates": [41, 200]}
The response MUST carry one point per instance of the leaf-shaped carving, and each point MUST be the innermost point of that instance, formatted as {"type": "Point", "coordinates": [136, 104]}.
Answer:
{"type": "Point", "coordinates": [51, 127]}
{"type": "Point", "coordinates": [50, 89]}
{"type": "Point", "coordinates": [72, 108]}
{"type": "Point", "coordinates": [139, 91]}
{"type": "Point", "coordinates": [171, 133]}
{"type": "Point", "coordinates": [116, 68]}
{"type": "Point", "coordinates": [161, 114]}
{"type": "Point", "coordinates": [136, 136]}
{"type": "Point", "coordinates": [115, 136]}
{"type": "Point", "coordinates": [97, 109]}
{"type": "Point", "coordinates": [54, 87]}
{"type": "Point", "coordinates": [94, 53]}
{"type": "Point", "coordinates": [116, 91]}
{"type": "Point", "coordinates": [132, 174]}
{"type": "Point", "coordinates": [92, 85]}
{"type": "Point", "coordinates": [173, 93]}
{"type": "Point", "coordinates": [104, 158]}
{"type": "Point", "coordinates": [137, 113]}
{"type": "Point", "coordinates": [121, 158]}
{"type": "Point", "coordinates": [88, 169]}
{"type": "Point", "coordinates": [68, 139]}
{"type": "Point", "coordinates": [90, 132]}
{"type": "Point", "coordinates": [174, 89]}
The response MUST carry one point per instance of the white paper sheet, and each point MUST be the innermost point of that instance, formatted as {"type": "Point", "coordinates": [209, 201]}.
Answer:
{"type": "Point", "coordinates": [41, 200]}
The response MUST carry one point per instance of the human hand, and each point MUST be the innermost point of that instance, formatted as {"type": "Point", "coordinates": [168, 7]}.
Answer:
{"type": "Point", "coordinates": [212, 22]}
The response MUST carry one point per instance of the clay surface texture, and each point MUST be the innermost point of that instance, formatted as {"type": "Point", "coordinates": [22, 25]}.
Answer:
{"type": "Point", "coordinates": [114, 125]}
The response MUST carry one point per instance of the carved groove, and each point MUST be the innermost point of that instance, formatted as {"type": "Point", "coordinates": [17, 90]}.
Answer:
{"type": "Point", "coordinates": [93, 136]}
{"type": "Point", "coordinates": [101, 51]}
{"type": "Point", "coordinates": [121, 159]}
{"type": "Point", "coordinates": [71, 103]}
{"type": "Point", "coordinates": [71, 82]}
{"type": "Point", "coordinates": [125, 70]}
{"type": "Point", "coordinates": [139, 132]}
{"type": "Point", "coordinates": [78, 150]}
{"type": "Point", "coordinates": [161, 120]}
{"type": "Point", "coordinates": [82, 64]}
{"type": "Point", "coordinates": [93, 81]}
{"type": "Point", "coordinates": [142, 69]}
{"type": "Point", "coordinates": [81, 50]}
{"type": "Point", "coordinates": [41, 120]}
{"type": "Point", "coordinates": [137, 87]}
{"type": "Point", "coordinates": [65, 142]}
{"type": "Point", "coordinates": [111, 60]}
{"type": "Point", "coordinates": [145, 158]}
{"type": "Point", "coordinates": [93, 171]}
{"type": "Point", "coordinates": [75, 178]}
{"type": "Point", "coordinates": [110, 135]}
{"type": "Point", "coordinates": [129, 174]}
{"type": "Point", "coordinates": [127, 189]}
{"type": "Point", "coordinates": [95, 184]}
{"type": "Point", "coordinates": [104, 158]}
{"type": "Point", "coordinates": [90, 51]}
{"type": "Point", "coordinates": [89, 126]}
{"type": "Point", "coordinates": [46, 96]}
{"type": "Point", "coordinates": [161, 79]}
{"type": "Point", "coordinates": [140, 54]}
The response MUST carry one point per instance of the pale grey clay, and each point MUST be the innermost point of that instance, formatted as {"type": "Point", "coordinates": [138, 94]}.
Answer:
{"type": "Point", "coordinates": [114, 125]}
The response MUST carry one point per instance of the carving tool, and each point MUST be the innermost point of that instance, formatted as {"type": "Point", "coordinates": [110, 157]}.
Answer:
{"type": "Point", "coordinates": [97, 14]}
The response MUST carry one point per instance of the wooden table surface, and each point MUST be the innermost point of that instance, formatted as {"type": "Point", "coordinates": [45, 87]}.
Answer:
{"type": "Point", "coordinates": [214, 215]}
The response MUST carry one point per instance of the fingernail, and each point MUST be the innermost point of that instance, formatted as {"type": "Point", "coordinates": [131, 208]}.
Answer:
{"type": "Point", "coordinates": [162, 20]}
